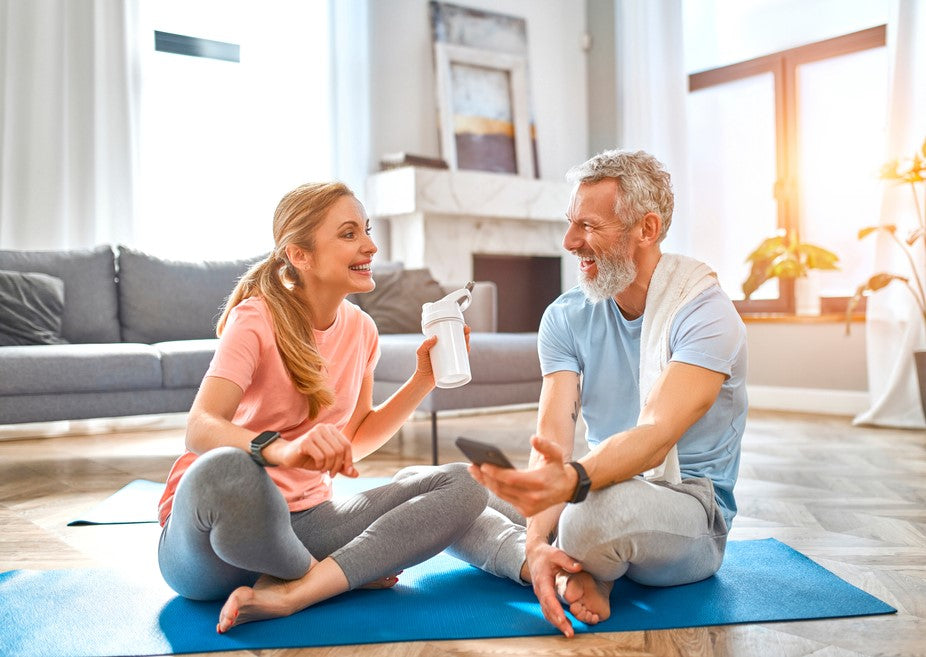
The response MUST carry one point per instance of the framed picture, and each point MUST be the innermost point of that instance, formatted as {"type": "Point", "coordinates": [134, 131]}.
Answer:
{"type": "Point", "coordinates": [483, 108]}
{"type": "Point", "coordinates": [483, 95]}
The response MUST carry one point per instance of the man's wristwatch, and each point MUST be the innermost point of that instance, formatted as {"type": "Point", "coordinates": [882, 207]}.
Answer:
{"type": "Point", "coordinates": [258, 444]}
{"type": "Point", "coordinates": [583, 485]}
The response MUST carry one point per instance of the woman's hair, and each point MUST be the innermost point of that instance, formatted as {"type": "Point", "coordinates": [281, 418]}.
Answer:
{"type": "Point", "coordinates": [645, 185]}
{"type": "Point", "coordinates": [295, 221]}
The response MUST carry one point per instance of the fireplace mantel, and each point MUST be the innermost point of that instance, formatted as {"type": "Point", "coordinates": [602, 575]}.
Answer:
{"type": "Point", "coordinates": [439, 218]}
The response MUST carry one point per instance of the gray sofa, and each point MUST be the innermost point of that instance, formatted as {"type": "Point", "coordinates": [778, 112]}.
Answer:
{"type": "Point", "coordinates": [124, 333]}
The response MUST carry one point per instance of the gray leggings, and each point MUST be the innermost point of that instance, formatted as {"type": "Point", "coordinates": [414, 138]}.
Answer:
{"type": "Point", "coordinates": [654, 533]}
{"type": "Point", "coordinates": [230, 524]}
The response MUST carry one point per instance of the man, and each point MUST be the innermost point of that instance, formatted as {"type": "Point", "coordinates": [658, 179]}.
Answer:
{"type": "Point", "coordinates": [654, 354]}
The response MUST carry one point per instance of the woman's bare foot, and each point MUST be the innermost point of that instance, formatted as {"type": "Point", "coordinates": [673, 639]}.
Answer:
{"type": "Point", "coordinates": [268, 598]}
{"type": "Point", "coordinates": [386, 582]}
{"type": "Point", "coordinates": [271, 597]}
{"type": "Point", "coordinates": [589, 600]}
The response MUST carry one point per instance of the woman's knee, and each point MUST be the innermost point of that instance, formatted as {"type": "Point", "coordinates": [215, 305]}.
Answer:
{"type": "Point", "coordinates": [468, 496]}
{"type": "Point", "coordinates": [224, 470]}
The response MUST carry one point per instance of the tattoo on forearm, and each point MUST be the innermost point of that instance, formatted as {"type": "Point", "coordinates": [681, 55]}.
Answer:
{"type": "Point", "coordinates": [575, 404]}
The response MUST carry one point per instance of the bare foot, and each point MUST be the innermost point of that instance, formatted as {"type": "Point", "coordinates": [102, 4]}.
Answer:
{"type": "Point", "coordinates": [266, 599]}
{"type": "Point", "coordinates": [588, 599]}
{"type": "Point", "coordinates": [386, 582]}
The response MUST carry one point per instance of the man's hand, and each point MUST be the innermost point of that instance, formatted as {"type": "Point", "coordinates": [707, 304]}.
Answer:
{"type": "Point", "coordinates": [322, 448]}
{"type": "Point", "coordinates": [545, 562]}
{"type": "Point", "coordinates": [531, 491]}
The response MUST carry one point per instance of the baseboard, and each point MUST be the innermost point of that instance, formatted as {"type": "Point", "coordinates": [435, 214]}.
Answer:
{"type": "Point", "coordinates": [808, 400]}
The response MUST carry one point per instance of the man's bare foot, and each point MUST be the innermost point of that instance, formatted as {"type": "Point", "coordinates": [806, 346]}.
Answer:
{"type": "Point", "coordinates": [386, 582]}
{"type": "Point", "coordinates": [268, 598]}
{"type": "Point", "coordinates": [589, 600]}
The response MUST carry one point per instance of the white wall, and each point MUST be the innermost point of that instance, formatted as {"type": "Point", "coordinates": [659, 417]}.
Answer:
{"type": "Point", "coordinates": [404, 105]}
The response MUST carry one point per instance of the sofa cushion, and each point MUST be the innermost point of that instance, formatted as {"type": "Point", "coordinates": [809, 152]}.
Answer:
{"type": "Point", "coordinates": [184, 362]}
{"type": "Point", "coordinates": [162, 300]}
{"type": "Point", "coordinates": [89, 275]}
{"type": "Point", "coordinates": [69, 368]}
{"type": "Point", "coordinates": [32, 305]}
{"type": "Point", "coordinates": [395, 304]}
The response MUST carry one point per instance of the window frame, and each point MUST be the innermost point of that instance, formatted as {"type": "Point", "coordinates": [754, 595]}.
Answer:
{"type": "Point", "coordinates": [783, 66]}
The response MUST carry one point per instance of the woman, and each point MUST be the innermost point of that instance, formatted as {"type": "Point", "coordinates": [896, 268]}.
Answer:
{"type": "Point", "coordinates": [285, 406]}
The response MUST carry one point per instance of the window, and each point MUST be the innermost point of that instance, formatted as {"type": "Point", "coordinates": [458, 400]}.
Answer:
{"type": "Point", "coordinates": [793, 142]}
{"type": "Point", "coordinates": [234, 113]}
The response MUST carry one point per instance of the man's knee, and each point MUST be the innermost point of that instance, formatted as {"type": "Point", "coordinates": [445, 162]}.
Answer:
{"type": "Point", "coordinates": [588, 525]}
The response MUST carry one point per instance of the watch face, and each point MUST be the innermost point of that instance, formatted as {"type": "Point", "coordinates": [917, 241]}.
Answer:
{"type": "Point", "coordinates": [264, 438]}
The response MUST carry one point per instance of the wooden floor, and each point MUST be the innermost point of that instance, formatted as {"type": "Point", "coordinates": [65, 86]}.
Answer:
{"type": "Point", "coordinates": [853, 499]}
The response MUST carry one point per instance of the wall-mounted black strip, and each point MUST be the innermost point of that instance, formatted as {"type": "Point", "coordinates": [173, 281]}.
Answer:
{"type": "Point", "coordinates": [196, 47]}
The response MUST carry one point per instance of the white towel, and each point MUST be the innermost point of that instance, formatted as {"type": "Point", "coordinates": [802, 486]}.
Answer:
{"type": "Point", "coordinates": [676, 281]}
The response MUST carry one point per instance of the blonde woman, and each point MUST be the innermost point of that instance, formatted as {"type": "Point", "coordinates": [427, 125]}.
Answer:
{"type": "Point", "coordinates": [286, 405]}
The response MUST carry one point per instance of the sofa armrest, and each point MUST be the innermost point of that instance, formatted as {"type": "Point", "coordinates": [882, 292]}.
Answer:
{"type": "Point", "coordinates": [482, 314]}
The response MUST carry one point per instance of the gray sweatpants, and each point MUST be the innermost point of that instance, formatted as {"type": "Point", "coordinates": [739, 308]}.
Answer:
{"type": "Point", "coordinates": [230, 524]}
{"type": "Point", "coordinates": [655, 533]}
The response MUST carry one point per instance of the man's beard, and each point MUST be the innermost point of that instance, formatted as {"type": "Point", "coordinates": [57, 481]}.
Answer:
{"type": "Point", "coordinates": [615, 272]}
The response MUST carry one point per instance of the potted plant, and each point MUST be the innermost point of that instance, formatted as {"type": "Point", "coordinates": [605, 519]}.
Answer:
{"type": "Point", "coordinates": [907, 171]}
{"type": "Point", "coordinates": [785, 256]}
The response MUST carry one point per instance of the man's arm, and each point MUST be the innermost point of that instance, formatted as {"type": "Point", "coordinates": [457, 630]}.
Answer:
{"type": "Point", "coordinates": [556, 421]}
{"type": "Point", "coordinates": [680, 397]}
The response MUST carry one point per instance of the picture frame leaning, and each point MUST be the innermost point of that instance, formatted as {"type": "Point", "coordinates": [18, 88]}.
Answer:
{"type": "Point", "coordinates": [483, 110]}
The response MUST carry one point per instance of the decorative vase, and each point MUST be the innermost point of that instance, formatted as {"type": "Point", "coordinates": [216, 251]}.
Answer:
{"type": "Point", "coordinates": [920, 358]}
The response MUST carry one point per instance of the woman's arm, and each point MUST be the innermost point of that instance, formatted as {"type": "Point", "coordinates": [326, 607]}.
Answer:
{"type": "Point", "coordinates": [369, 428]}
{"type": "Point", "coordinates": [209, 424]}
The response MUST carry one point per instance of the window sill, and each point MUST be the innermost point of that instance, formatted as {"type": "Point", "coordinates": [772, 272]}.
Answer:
{"type": "Point", "coordinates": [786, 318]}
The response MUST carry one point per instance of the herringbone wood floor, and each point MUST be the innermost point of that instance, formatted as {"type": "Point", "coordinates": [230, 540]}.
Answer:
{"type": "Point", "coordinates": [851, 498]}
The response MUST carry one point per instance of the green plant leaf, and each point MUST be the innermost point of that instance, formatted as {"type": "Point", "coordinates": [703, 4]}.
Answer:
{"type": "Point", "coordinates": [880, 281]}
{"type": "Point", "coordinates": [890, 170]}
{"type": "Point", "coordinates": [768, 250]}
{"type": "Point", "coordinates": [865, 232]}
{"type": "Point", "coordinates": [788, 268]}
{"type": "Point", "coordinates": [817, 257]}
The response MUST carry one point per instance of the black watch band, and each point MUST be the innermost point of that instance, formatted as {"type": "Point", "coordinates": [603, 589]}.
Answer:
{"type": "Point", "coordinates": [257, 446]}
{"type": "Point", "coordinates": [583, 485]}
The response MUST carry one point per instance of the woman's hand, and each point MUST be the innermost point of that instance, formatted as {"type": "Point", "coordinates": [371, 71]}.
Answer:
{"type": "Point", "coordinates": [321, 448]}
{"type": "Point", "coordinates": [423, 354]}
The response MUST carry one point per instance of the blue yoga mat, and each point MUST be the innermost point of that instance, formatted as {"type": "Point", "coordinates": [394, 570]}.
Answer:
{"type": "Point", "coordinates": [76, 613]}
{"type": "Point", "coordinates": [137, 501]}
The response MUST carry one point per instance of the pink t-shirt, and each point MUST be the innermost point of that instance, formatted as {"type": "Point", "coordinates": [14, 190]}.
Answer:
{"type": "Point", "coordinates": [247, 356]}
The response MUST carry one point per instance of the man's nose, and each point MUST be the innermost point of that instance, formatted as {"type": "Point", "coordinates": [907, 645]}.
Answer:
{"type": "Point", "coordinates": [572, 240]}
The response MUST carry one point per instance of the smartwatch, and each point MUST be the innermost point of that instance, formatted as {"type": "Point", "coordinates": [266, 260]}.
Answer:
{"type": "Point", "coordinates": [583, 485]}
{"type": "Point", "coordinates": [258, 444]}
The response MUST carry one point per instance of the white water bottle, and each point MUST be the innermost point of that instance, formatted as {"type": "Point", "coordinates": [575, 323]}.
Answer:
{"type": "Point", "coordinates": [449, 358]}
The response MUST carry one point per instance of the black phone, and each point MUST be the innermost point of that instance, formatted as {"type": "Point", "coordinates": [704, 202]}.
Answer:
{"type": "Point", "coordinates": [479, 452]}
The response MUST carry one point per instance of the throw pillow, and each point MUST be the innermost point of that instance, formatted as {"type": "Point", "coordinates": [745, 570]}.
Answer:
{"type": "Point", "coordinates": [395, 304]}
{"type": "Point", "coordinates": [32, 306]}
{"type": "Point", "coordinates": [91, 313]}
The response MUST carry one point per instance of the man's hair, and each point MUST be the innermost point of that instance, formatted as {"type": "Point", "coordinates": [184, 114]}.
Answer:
{"type": "Point", "coordinates": [645, 186]}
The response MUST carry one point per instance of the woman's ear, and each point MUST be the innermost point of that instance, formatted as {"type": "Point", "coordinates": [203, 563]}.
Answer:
{"type": "Point", "coordinates": [298, 257]}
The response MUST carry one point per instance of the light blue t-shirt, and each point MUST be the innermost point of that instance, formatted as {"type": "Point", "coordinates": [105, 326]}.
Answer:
{"type": "Point", "coordinates": [598, 342]}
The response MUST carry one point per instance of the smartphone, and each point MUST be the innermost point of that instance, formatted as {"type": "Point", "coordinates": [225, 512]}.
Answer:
{"type": "Point", "coordinates": [479, 452]}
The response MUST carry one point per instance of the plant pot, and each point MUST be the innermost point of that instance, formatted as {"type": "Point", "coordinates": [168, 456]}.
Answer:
{"type": "Point", "coordinates": [920, 358]}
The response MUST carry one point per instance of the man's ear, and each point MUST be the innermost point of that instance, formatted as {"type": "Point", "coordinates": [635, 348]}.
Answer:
{"type": "Point", "coordinates": [299, 257]}
{"type": "Point", "coordinates": [650, 228]}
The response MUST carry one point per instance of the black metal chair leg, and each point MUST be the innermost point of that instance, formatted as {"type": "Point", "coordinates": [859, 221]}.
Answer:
{"type": "Point", "coordinates": [434, 437]}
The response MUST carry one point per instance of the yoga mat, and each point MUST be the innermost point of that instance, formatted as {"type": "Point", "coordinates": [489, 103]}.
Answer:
{"type": "Point", "coordinates": [137, 501]}
{"type": "Point", "coordinates": [77, 613]}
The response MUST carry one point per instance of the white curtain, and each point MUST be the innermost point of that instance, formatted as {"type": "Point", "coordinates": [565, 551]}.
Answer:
{"type": "Point", "coordinates": [894, 326]}
{"type": "Point", "coordinates": [652, 88]}
{"type": "Point", "coordinates": [68, 90]}
{"type": "Point", "coordinates": [351, 107]}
